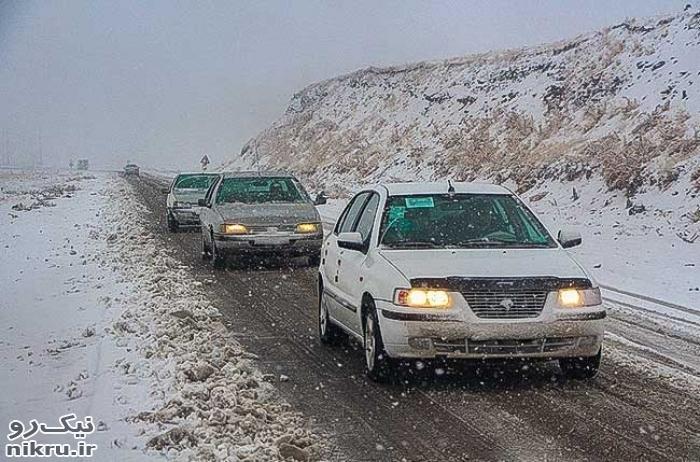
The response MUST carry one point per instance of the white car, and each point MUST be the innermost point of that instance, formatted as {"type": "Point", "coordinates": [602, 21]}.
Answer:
{"type": "Point", "coordinates": [456, 270]}
{"type": "Point", "coordinates": [183, 195]}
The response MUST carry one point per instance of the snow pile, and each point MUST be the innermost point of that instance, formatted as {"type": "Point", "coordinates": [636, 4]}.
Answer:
{"type": "Point", "coordinates": [215, 405]}
{"type": "Point", "coordinates": [621, 104]}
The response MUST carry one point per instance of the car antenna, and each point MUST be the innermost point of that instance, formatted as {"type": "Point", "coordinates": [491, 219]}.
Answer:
{"type": "Point", "coordinates": [450, 188]}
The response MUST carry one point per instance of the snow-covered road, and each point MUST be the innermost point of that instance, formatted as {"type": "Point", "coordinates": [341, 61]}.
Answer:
{"type": "Point", "coordinates": [98, 320]}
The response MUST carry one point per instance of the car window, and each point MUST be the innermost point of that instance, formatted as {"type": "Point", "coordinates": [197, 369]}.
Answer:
{"type": "Point", "coordinates": [259, 190]}
{"type": "Point", "coordinates": [366, 221]}
{"type": "Point", "coordinates": [461, 220]}
{"type": "Point", "coordinates": [347, 220]}
{"type": "Point", "coordinates": [194, 181]}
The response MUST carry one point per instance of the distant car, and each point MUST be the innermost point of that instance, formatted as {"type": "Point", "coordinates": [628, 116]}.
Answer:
{"type": "Point", "coordinates": [83, 164]}
{"type": "Point", "coordinates": [438, 270]}
{"type": "Point", "coordinates": [184, 192]}
{"type": "Point", "coordinates": [259, 213]}
{"type": "Point", "coordinates": [131, 170]}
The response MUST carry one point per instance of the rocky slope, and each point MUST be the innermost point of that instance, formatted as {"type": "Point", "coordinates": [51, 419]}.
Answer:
{"type": "Point", "coordinates": [621, 103]}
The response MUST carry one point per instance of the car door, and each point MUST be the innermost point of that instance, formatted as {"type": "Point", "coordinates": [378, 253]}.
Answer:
{"type": "Point", "coordinates": [350, 272]}
{"type": "Point", "coordinates": [206, 213]}
{"type": "Point", "coordinates": [339, 309]}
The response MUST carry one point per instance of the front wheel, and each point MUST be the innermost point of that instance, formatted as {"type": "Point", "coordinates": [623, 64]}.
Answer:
{"type": "Point", "coordinates": [378, 365]}
{"type": "Point", "coordinates": [581, 367]}
{"type": "Point", "coordinates": [172, 224]}
{"type": "Point", "coordinates": [218, 259]}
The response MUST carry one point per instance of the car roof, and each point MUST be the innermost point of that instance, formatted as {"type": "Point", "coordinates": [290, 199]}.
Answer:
{"type": "Point", "coordinates": [438, 187]}
{"type": "Point", "coordinates": [199, 173]}
{"type": "Point", "coordinates": [254, 174]}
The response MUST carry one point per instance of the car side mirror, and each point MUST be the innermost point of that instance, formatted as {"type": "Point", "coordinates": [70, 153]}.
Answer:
{"type": "Point", "coordinates": [320, 199]}
{"type": "Point", "coordinates": [569, 238]}
{"type": "Point", "coordinates": [202, 203]}
{"type": "Point", "coordinates": [351, 241]}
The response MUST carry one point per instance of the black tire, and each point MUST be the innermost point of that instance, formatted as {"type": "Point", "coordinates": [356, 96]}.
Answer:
{"type": "Point", "coordinates": [378, 364]}
{"type": "Point", "coordinates": [581, 368]}
{"type": "Point", "coordinates": [328, 332]}
{"type": "Point", "coordinates": [315, 260]}
{"type": "Point", "coordinates": [218, 259]}
{"type": "Point", "coordinates": [172, 224]}
{"type": "Point", "coordinates": [206, 251]}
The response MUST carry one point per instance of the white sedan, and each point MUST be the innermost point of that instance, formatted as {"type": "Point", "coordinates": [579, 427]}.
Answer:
{"type": "Point", "coordinates": [456, 270]}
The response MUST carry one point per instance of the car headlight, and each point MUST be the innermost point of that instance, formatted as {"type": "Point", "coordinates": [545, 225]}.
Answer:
{"type": "Point", "coordinates": [579, 298]}
{"type": "Point", "coordinates": [307, 228]}
{"type": "Point", "coordinates": [422, 298]}
{"type": "Point", "coordinates": [227, 228]}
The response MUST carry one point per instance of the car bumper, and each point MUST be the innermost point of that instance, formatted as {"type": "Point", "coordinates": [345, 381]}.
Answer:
{"type": "Point", "coordinates": [284, 244]}
{"type": "Point", "coordinates": [456, 334]}
{"type": "Point", "coordinates": [185, 216]}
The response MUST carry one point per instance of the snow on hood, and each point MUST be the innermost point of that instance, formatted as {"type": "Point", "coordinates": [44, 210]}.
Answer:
{"type": "Point", "coordinates": [269, 213]}
{"type": "Point", "coordinates": [429, 263]}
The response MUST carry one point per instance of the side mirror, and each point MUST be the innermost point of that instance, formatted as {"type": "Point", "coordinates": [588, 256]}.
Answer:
{"type": "Point", "coordinates": [320, 199]}
{"type": "Point", "coordinates": [165, 191]}
{"type": "Point", "coordinates": [202, 202]}
{"type": "Point", "coordinates": [569, 238]}
{"type": "Point", "coordinates": [351, 241]}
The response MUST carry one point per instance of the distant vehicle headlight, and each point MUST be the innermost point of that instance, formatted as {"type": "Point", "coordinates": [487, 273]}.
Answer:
{"type": "Point", "coordinates": [579, 298]}
{"type": "Point", "coordinates": [422, 298]}
{"type": "Point", "coordinates": [233, 229]}
{"type": "Point", "coordinates": [307, 228]}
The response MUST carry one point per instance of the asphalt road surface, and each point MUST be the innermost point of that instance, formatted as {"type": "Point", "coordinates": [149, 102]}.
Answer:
{"type": "Point", "coordinates": [446, 412]}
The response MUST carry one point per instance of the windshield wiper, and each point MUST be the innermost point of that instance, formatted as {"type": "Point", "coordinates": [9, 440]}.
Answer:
{"type": "Point", "coordinates": [414, 244]}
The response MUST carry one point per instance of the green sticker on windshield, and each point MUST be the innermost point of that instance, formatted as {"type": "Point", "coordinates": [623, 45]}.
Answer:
{"type": "Point", "coordinates": [420, 202]}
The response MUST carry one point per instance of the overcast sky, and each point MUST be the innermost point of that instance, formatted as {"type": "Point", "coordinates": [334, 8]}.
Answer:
{"type": "Point", "coordinates": [161, 82]}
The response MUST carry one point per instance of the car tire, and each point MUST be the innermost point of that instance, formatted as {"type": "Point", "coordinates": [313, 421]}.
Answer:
{"type": "Point", "coordinates": [218, 259]}
{"type": "Point", "coordinates": [328, 332]}
{"type": "Point", "coordinates": [172, 224]}
{"type": "Point", "coordinates": [206, 251]}
{"type": "Point", "coordinates": [581, 368]}
{"type": "Point", "coordinates": [315, 260]}
{"type": "Point", "coordinates": [378, 365]}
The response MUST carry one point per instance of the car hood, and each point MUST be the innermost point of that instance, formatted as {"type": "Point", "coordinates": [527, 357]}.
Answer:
{"type": "Point", "coordinates": [491, 263]}
{"type": "Point", "coordinates": [269, 213]}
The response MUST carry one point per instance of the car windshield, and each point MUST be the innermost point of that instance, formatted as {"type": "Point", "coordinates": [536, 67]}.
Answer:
{"type": "Point", "coordinates": [197, 181]}
{"type": "Point", "coordinates": [460, 221]}
{"type": "Point", "coordinates": [260, 189]}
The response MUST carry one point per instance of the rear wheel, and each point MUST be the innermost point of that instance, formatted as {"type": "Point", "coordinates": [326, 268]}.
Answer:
{"type": "Point", "coordinates": [378, 365]}
{"type": "Point", "coordinates": [328, 332]}
{"type": "Point", "coordinates": [581, 367]}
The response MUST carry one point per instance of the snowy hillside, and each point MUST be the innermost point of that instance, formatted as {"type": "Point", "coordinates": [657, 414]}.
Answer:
{"type": "Point", "coordinates": [622, 103]}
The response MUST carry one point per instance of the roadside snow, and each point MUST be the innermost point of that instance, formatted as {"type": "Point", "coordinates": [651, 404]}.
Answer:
{"type": "Point", "coordinates": [100, 321]}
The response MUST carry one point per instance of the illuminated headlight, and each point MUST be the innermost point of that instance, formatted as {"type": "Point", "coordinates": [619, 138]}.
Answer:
{"type": "Point", "coordinates": [307, 228]}
{"type": "Point", "coordinates": [579, 298]}
{"type": "Point", "coordinates": [233, 229]}
{"type": "Point", "coordinates": [422, 298]}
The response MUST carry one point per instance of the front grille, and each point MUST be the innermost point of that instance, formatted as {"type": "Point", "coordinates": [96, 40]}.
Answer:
{"type": "Point", "coordinates": [520, 346]}
{"type": "Point", "coordinates": [512, 304]}
{"type": "Point", "coordinates": [271, 229]}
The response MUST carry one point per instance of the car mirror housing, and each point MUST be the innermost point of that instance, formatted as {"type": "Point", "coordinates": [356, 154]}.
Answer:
{"type": "Point", "coordinates": [569, 238]}
{"type": "Point", "coordinates": [351, 241]}
{"type": "Point", "coordinates": [202, 203]}
{"type": "Point", "coordinates": [320, 199]}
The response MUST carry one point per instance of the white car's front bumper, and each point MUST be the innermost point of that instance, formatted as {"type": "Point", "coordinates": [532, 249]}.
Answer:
{"type": "Point", "coordinates": [458, 333]}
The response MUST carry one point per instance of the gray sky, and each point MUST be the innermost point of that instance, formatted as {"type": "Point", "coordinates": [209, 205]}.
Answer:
{"type": "Point", "coordinates": [161, 82]}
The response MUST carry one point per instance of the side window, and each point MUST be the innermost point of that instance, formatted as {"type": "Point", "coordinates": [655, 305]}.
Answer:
{"type": "Point", "coordinates": [347, 222]}
{"type": "Point", "coordinates": [366, 222]}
